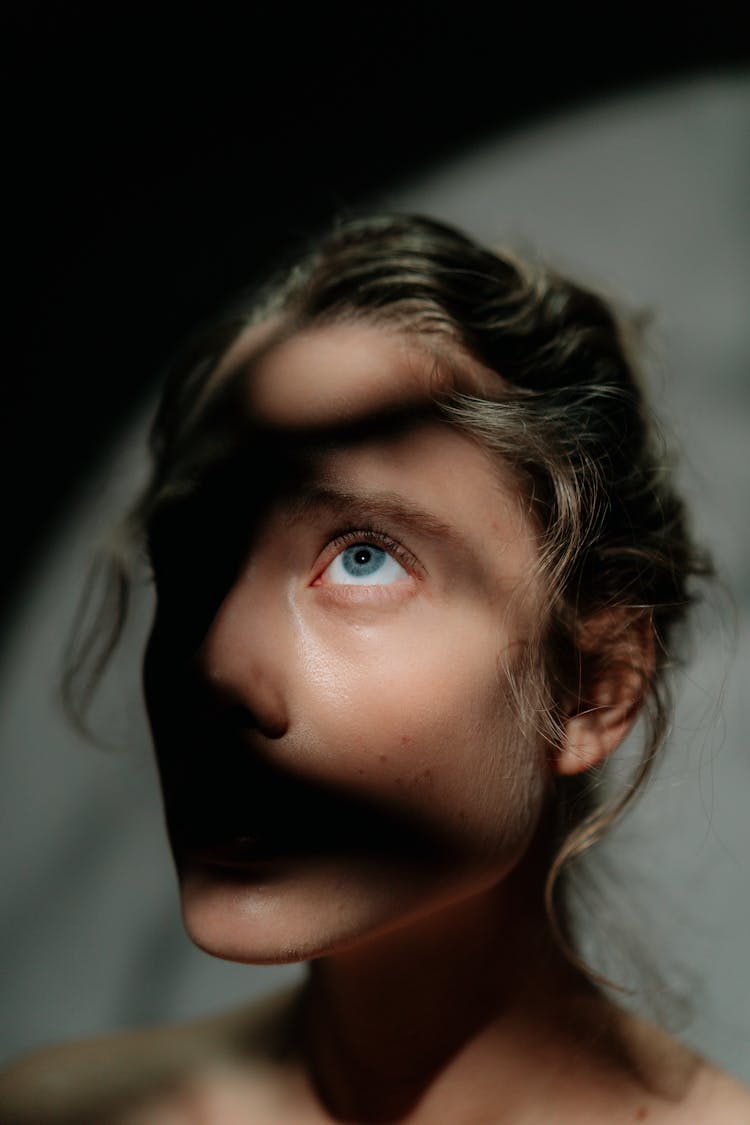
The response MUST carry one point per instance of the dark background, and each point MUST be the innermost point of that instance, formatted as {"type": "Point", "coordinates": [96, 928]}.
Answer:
{"type": "Point", "coordinates": [158, 159]}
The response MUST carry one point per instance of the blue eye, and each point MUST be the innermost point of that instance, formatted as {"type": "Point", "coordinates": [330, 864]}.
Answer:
{"type": "Point", "coordinates": [363, 564]}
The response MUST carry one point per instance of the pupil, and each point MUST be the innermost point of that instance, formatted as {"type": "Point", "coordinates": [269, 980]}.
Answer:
{"type": "Point", "coordinates": [362, 556]}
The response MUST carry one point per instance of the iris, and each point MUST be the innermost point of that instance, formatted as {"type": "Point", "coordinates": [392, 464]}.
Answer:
{"type": "Point", "coordinates": [362, 560]}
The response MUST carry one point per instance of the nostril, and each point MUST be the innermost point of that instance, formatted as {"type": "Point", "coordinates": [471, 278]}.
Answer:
{"type": "Point", "coordinates": [269, 722]}
{"type": "Point", "coordinates": [239, 718]}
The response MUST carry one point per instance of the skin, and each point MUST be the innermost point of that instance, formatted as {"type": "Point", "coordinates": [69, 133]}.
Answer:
{"type": "Point", "coordinates": [346, 782]}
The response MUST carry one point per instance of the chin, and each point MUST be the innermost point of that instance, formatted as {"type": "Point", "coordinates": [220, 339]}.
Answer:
{"type": "Point", "coordinates": [281, 916]}
{"type": "Point", "coordinates": [285, 915]}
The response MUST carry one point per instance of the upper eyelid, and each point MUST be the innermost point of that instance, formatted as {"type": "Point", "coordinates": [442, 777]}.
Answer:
{"type": "Point", "coordinates": [349, 537]}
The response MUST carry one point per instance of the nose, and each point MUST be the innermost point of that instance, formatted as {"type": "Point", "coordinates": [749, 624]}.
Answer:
{"type": "Point", "coordinates": [244, 662]}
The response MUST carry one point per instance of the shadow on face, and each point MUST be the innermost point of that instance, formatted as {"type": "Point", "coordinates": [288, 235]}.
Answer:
{"type": "Point", "coordinates": [341, 584]}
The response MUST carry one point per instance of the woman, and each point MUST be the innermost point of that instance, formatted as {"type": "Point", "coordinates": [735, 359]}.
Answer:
{"type": "Point", "coordinates": [418, 567]}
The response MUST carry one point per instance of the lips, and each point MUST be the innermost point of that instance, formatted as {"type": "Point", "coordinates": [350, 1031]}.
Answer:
{"type": "Point", "coordinates": [240, 853]}
{"type": "Point", "coordinates": [259, 816]}
{"type": "Point", "coordinates": [343, 830]}
{"type": "Point", "coordinates": [239, 837]}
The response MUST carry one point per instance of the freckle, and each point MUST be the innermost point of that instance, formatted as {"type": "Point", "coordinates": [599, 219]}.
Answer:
{"type": "Point", "coordinates": [406, 739]}
{"type": "Point", "coordinates": [360, 772]}
{"type": "Point", "coordinates": [642, 1114]}
{"type": "Point", "coordinates": [399, 781]}
{"type": "Point", "coordinates": [383, 757]}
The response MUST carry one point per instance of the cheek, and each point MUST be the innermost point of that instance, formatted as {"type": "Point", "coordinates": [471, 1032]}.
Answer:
{"type": "Point", "coordinates": [420, 712]}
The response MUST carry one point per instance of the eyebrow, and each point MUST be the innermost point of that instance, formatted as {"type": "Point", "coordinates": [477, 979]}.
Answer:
{"type": "Point", "coordinates": [364, 507]}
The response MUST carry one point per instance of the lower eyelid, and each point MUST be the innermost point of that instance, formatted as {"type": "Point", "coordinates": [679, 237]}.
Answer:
{"type": "Point", "coordinates": [357, 594]}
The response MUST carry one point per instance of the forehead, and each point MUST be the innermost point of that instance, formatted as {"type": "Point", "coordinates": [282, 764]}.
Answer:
{"type": "Point", "coordinates": [340, 374]}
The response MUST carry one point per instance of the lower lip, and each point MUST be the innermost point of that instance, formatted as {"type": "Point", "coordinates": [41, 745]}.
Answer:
{"type": "Point", "coordinates": [233, 855]}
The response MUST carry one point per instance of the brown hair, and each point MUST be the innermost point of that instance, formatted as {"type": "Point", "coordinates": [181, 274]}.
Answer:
{"type": "Point", "coordinates": [569, 417]}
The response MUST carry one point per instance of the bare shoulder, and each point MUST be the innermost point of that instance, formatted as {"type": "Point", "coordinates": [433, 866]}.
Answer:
{"type": "Point", "coordinates": [114, 1079]}
{"type": "Point", "coordinates": [717, 1098]}
{"type": "Point", "coordinates": [687, 1088]}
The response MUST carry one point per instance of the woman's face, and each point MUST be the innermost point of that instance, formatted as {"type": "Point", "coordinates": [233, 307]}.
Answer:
{"type": "Point", "coordinates": [338, 751]}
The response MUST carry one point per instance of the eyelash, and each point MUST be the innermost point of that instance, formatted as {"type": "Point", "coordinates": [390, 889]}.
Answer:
{"type": "Point", "coordinates": [378, 538]}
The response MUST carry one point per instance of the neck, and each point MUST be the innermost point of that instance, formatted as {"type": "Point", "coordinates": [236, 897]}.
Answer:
{"type": "Point", "coordinates": [385, 1019]}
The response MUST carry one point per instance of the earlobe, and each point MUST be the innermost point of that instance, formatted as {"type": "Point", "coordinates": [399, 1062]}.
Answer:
{"type": "Point", "coordinates": [621, 658]}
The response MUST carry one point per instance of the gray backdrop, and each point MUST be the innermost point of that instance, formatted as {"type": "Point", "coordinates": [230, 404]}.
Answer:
{"type": "Point", "coordinates": [647, 195]}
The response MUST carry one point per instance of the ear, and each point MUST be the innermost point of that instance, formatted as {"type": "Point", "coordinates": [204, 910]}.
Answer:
{"type": "Point", "coordinates": [617, 660]}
